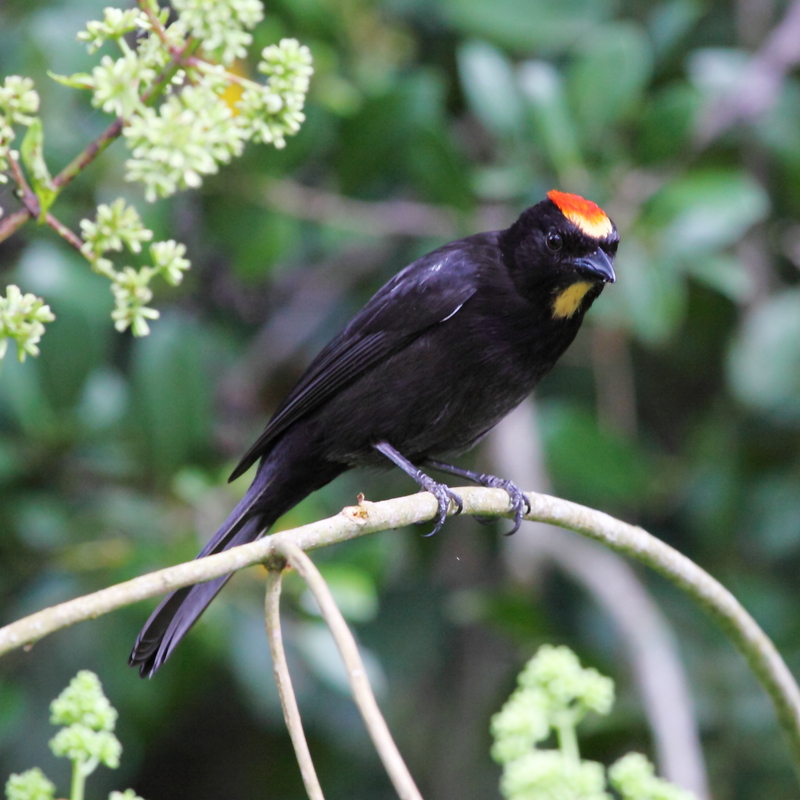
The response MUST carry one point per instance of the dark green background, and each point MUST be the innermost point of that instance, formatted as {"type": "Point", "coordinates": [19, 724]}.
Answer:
{"type": "Point", "coordinates": [678, 408]}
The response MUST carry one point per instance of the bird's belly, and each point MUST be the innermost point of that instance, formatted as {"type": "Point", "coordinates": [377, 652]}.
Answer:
{"type": "Point", "coordinates": [423, 404]}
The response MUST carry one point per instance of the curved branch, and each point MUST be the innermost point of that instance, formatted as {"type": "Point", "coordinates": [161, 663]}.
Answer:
{"type": "Point", "coordinates": [357, 674]}
{"type": "Point", "coordinates": [283, 680]}
{"type": "Point", "coordinates": [721, 605]}
{"type": "Point", "coordinates": [646, 635]}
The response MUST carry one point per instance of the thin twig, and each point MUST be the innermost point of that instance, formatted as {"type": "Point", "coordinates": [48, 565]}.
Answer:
{"type": "Point", "coordinates": [376, 218]}
{"type": "Point", "coordinates": [13, 222]}
{"type": "Point", "coordinates": [26, 195]}
{"type": "Point", "coordinates": [283, 680]}
{"type": "Point", "coordinates": [64, 232]}
{"type": "Point", "coordinates": [10, 225]}
{"type": "Point", "coordinates": [362, 692]}
{"type": "Point", "coordinates": [743, 631]}
{"type": "Point", "coordinates": [758, 88]}
{"type": "Point", "coordinates": [89, 153]}
{"type": "Point", "coordinates": [157, 26]}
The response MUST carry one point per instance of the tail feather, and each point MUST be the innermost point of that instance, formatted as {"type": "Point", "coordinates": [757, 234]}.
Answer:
{"type": "Point", "coordinates": [179, 610]}
{"type": "Point", "coordinates": [278, 486]}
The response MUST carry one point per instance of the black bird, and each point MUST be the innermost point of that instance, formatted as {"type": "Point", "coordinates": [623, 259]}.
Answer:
{"type": "Point", "coordinates": [432, 362]}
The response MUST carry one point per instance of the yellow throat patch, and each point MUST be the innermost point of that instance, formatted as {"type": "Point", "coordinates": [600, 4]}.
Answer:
{"type": "Point", "coordinates": [585, 215]}
{"type": "Point", "coordinates": [567, 301]}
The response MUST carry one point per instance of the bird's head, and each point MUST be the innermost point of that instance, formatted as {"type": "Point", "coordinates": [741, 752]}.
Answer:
{"type": "Point", "coordinates": [562, 248]}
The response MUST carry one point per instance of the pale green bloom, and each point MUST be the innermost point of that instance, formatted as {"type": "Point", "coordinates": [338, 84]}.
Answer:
{"type": "Point", "coordinates": [128, 794]}
{"type": "Point", "coordinates": [83, 702]}
{"type": "Point", "coordinates": [6, 138]}
{"type": "Point", "coordinates": [554, 694]}
{"type": "Point", "coordinates": [115, 226]}
{"type": "Point", "coordinates": [221, 25]}
{"type": "Point", "coordinates": [81, 743]}
{"type": "Point", "coordinates": [18, 100]}
{"type": "Point", "coordinates": [22, 318]}
{"type": "Point", "coordinates": [168, 258]}
{"type": "Point", "coordinates": [118, 84]}
{"type": "Point", "coordinates": [131, 295]}
{"type": "Point", "coordinates": [633, 776]}
{"type": "Point", "coordinates": [274, 111]}
{"type": "Point", "coordinates": [189, 135]}
{"type": "Point", "coordinates": [151, 49]}
{"type": "Point", "coordinates": [115, 24]}
{"type": "Point", "coordinates": [519, 725]}
{"type": "Point", "coordinates": [567, 685]}
{"type": "Point", "coordinates": [87, 740]}
{"type": "Point", "coordinates": [119, 225]}
{"type": "Point", "coordinates": [547, 775]}
{"type": "Point", "coordinates": [32, 784]}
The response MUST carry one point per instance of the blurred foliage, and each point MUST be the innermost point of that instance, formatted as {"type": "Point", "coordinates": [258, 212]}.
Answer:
{"type": "Point", "coordinates": [114, 452]}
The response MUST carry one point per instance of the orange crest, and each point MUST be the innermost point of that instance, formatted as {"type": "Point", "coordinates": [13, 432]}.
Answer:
{"type": "Point", "coordinates": [585, 215]}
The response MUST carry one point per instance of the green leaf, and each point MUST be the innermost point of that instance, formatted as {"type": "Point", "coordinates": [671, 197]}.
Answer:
{"type": "Point", "coordinates": [606, 80]}
{"type": "Point", "coordinates": [439, 170]}
{"type": "Point", "coordinates": [32, 151]}
{"type": "Point", "coordinates": [764, 361]}
{"type": "Point", "coordinates": [80, 80]}
{"type": "Point", "coordinates": [487, 79]}
{"type": "Point", "coordinates": [546, 26]}
{"type": "Point", "coordinates": [670, 22]}
{"type": "Point", "coordinates": [668, 122]}
{"type": "Point", "coordinates": [590, 464]}
{"type": "Point", "coordinates": [649, 297]}
{"type": "Point", "coordinates": [172, 391]}
{"type": "Point", "coordinates": [353, 589]}
{"type": "Point", "coordinates": [706, 210]}
{"type": "Point", "coordinates": [726, 274]}
{"type": "Point", "coordinates": [543, 88]}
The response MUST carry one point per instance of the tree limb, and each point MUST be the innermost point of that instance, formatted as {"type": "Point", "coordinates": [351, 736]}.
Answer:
{"type": "Point", "coordinates": [357, 674]}
{"type": "Point", "coordinates": [650, 644]}
{"type": "Point", "coordinates": [283, 680]}
{"type": "Point", "coordinates": [760, 653]}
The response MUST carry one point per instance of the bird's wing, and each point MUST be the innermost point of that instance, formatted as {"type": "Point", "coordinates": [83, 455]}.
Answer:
{"type": "Point", "coordinates": [427, 292]}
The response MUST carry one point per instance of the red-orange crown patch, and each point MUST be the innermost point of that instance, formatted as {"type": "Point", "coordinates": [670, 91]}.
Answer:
{"type": "Point", "coordinates": [585, 215]}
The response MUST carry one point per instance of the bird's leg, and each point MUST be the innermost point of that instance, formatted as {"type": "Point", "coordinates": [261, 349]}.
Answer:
{"type": "Point", "coordinates": [520, 504]}
{"type": "Point", "coordinates": [441, 492]}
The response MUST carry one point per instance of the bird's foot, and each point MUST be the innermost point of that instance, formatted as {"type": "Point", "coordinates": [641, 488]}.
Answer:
{"type": "Point", "coordinates": [444, 496]}
{"type": "Point", "coordinates": [519, 502]}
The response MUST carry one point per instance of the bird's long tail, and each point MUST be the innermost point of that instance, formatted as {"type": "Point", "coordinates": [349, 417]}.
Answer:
{"type": "Point", "coordinates": [274, 491]}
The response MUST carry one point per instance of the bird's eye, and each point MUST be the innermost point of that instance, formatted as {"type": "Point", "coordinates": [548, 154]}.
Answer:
{"type": "Point", "coordinates": [554, 241]}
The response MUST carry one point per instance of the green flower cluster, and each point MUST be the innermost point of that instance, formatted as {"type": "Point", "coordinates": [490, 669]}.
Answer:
{"type": "Point", "coordinates": [192, 130]}
{"type": "Point", "coordinates": [554, 694]}
{"type": "Point", "coordinates": [119, 226]}
{"type": "Point", "coordinates": [22, 318]}
{"type": "Point", "coordinates": [30, 785]}
{"type": "Point", "coordinates": [221, 26]}
{"type": "Point", "coordinates": [633, 777]}
{"type": "Point", "coordinates": [87, 739]}
{"type": "Point", "coordinates": [171, 87]}
{"type": "Point", "coordinates": [89, 719]}
{"type": "Point", "coordinates": [18, 101]}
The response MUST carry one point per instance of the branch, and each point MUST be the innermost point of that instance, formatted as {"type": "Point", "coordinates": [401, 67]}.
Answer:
{"type": "Point", "coordinates": [645, 634]}
{"type": "Point", "coordinates": [362, 693]}
{"type": "Point", "coordinates": [760, 85]}
{"type": "Point", "coordinates": [96, 146]}
{"type": "Point", "coordinates": [13, 222]}
{"type": "Point", "coordinates": [764, 660]}
{"type": "Point", "coordinates": [283, 680]}
{"type": "Point", "coordinates": [374, 217]}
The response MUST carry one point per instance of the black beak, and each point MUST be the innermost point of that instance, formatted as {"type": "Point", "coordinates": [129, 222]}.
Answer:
{"type": "Point", "coordinates": [599, 264]}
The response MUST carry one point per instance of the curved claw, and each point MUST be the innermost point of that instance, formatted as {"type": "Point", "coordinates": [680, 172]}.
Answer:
{"type": "Point", "coordinates": [443, 497]}
{"type": "Point", "coordinates": [519, 502]}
